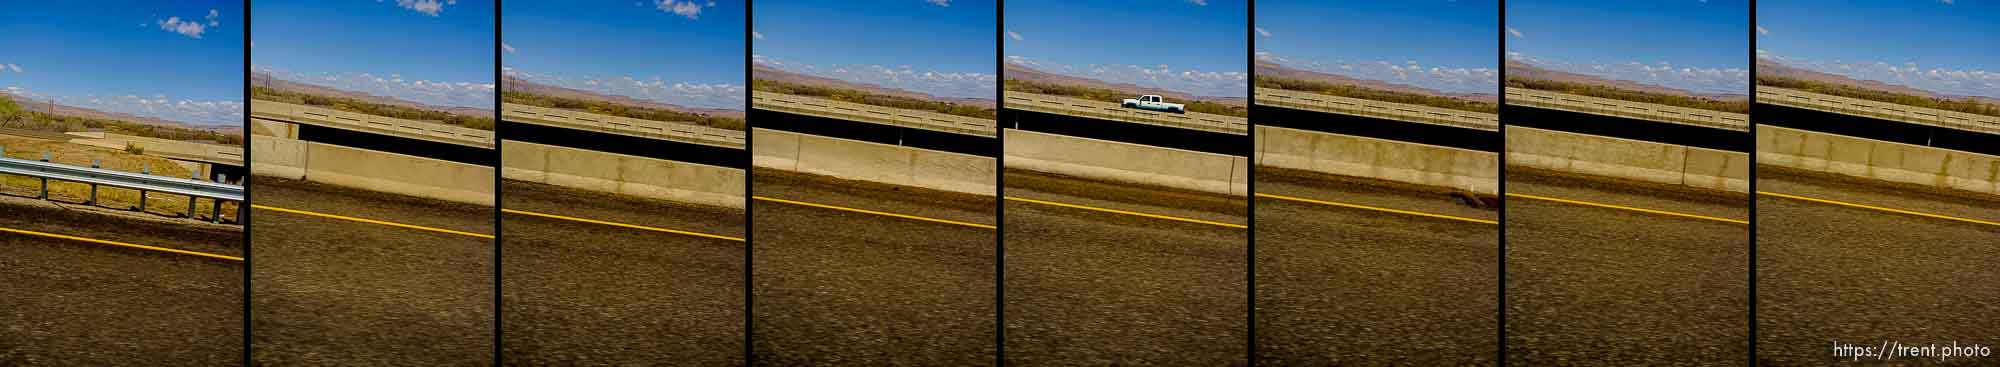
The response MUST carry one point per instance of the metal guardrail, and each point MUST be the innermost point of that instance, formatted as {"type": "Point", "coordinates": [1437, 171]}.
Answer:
{"type": "Point", "coordinates": [662, 130]}
{"type": "Point", "coordinates": [145, 183]}
{"type": "Point", "coordinates": [1371, 108]}
{"type": "Point", "coordinates": [327, 117]}
{"type": "Point", "coordinates": [1108, 110]}
{"type": "Point", "coordinates": [1881, 110]}
{"type": "Point", "coordinates": [873, 114]}
{"type": "Point", "coordinates": [1627, 109]}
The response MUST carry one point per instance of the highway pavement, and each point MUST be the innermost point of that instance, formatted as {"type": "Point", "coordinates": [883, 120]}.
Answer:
{"type": "Point", "coordinates": [584, 293]}
{"type": "Point", "coordinates": [71, 301]}
{"type": "Point", "coordinates": [1346, 285]}
{"type": "Point", "coordinates": [333, 291]}
{"type": "Point", "coordinates": [1162, 282]}
{"type": "Point", "coordinates": [908, 282]}
{"type": "Point", "coordinates": [1832, 273]}
{"type": "Point", "coordinates": [1592, 281]}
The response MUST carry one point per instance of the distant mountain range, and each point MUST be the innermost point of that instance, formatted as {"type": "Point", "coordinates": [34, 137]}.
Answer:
{"type": "Point", "coordinates": [266, 80]}
{"type": "Point", "coordinates": [780, 75]}
{"type": "Point", "coordinates": [1768, 68]}
{"type": "Point", "coordinates": [1523, 70]}
{"type": "Point", "coordinates": [512, 84]}
{"type": "Point", "coordinates": [1271, 69]}
{"type": "Point", "coordinates": [68, 110]}
{"type": "Point", "coordinates": [1024, 73]}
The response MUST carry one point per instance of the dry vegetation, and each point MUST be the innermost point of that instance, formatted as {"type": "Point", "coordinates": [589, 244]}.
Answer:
{"type": "Point", "coordinates": [371, 108]}
{"type": "Point", "coordinates": [1113, 96]}
{"type": "Point", "coordinates": [863, 97]}
{"type": "Point", "coordinates": [83, 156]}
{"type": "Point", "coordinates": [1968, 105]}
{"type": "Point", "coordinates": [1352, 91]}
{"type": "Point", "coordinates": [12, 116]}
{"type": "Point", "coordinates": [1602, 91]}
{"type": "Point", "coordinates": [613, 109]}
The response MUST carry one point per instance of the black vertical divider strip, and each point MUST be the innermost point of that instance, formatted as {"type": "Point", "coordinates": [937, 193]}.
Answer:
{"type": "Point", "coordinates": [999, 187]}
{"type": "Point", "coordinates": [1751, 31]}
{"type": "Point", "coordinates": [1250, 191]}
{"type": "Point", "coordinates": [749, 143]}
{"type": "Point", "coordinates": [498, 337]}
{"type": "Point", "coordinates": [243, 208]}
{"type": "Point", "coordinates": [1501, 310]}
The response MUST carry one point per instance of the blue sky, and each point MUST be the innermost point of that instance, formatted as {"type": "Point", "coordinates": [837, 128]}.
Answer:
{"type": "Point", "coordinates": [679, 52]}
{"type": "Point", "coordinates": [1192, 46]}
{"type": "Point", "coordinates": [1451, 44]}
{"type": "Point", "coordinates": [1950, 47]}
{"type": "Point", "coordinates": [167, 60]}
{"type": "Point", "coordinates": [1701, 46]}
{"type": "Point", "coordinates": [938, 47]}
{"type": "Point", "coordinates": [437, 52]}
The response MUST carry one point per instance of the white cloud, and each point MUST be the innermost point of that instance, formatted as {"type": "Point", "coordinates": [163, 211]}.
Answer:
{"type": "Point", "coordinates": [1949, 2]}
{"type": "Point", "coordinates": [1957, 82]}
{"type": "Point", "coordinates": [1707, 80]}
{"type": "Point", "coordinates": [428, 7]}
{"type": "Point", "coordinates": [1762, 31]}
{"type": "Point", "coordinates": [685, 8]}
{"type": "Point", "coordinates": [440, 93]}
{"type": "Point", "coordinates": [1449, 79]}
{"type": "Point", "coordinates": [1516, 33]}
{"type": "Point", "coordinates": [506, 47]}
{"type": "Point", "coordinates": [213, 18]}
{"type": "Point", "coordinates": [191, 29]}
{"type": "Point", "coordinates": [1262, 32]}
{"type": "Point", "coordinates": [756, 35]}
{"type": "Point", "coordinates": [945, 3]}
{"type": "Point", "coordinates": [17, 68]}
{"type": "Point", "coordinates": [904, 77]}
{"type": "Point", "coordinates": [1015, 36]}
{"type": "Point", "coordinates": [698, 95]}
{"type": "Point", "coordinates": [197, 112]}
{"type": "Point", "coordinates": [1198, 2]}
{"type": "Point", "coordinates": [1196, 82]}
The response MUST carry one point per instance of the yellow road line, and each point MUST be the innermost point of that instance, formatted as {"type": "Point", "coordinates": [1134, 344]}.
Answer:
{"type": "Point", "coordinates": [1358, 206]}
{"type": "Point", "coordinates": [1870, 207]}
{"type": "Point", "coordinates": [1642, 210]}
{"type": "Point", "coordinates": [120, 244]}
{"type": "Point", "coordinates": [621, 225]}
{"type": "Point", "coordinates": [370, 221]}
{"type": "Point", "coordinates": [866, 211]}
{"type": "Point", "coordinates": [1116, 211]}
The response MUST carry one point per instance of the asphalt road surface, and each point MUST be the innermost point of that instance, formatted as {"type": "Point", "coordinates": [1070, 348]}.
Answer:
{"type": "Point", "coordinates": [1829, 273]}
{"type": "Point", "coordinates": [834, 287]}
{"type": "Point", "coordinates": [1600, 286]}
{"type": "Point", "coordinates": [1347, 286]}
{"type": "Point", "coordinates": [1093, 288]}
{"type": "Point", "coordinates": [578, 293]}
{"type": "Point", "coordinates": [68, 302]}
{"type": "Point", "coordinates": [334, 292]}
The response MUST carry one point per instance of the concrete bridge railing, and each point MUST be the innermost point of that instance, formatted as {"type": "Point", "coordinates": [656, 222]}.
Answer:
{"type": "Point", "coordinates": [686, 132]}
{"type": "Point", "coordinates": [1112, 111]}
{"type": "Point", "coordinates": [1880, 110]}
{"type": "Point", "coordinates": [1627, 109]}
{"type": "Point", "coordinates": [1317, 102]}
{"type": "Point", "coordinates": [327, 117]}
{"type": "Point", "coordinates": [872, 114]}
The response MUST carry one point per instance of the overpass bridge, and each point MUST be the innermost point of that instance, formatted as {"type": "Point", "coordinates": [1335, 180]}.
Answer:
{"type": "Point", "coordinates": [1878, 110]}
{"type": "Point", "coordinates": [827, 108]}
{"type": "Point", "coordinates": [1084, 108]}
{"type": "Point", "coordinates": [371, 124]}
{"type": "Point", "coordinates": [683, 131]}
{"type": "Point", "coordinates": [1322, 103]}
{"type": "Point", "coordinates": [1627, 109]}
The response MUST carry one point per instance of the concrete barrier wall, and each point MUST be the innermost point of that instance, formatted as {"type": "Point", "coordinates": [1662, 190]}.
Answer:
{"type": "Point", "coordinates": [278, 157]}
{"type": "Point", "coordinates": [622, 174]}
{"type": "Point", "coordinates": [1880, 160]}
{"type": "Point", "coordinates": [1347, 155]}
{"type": "Point", "coordinates": [371, 170]}
{"type": "Point", "coordinates": [1128, 163]}
{"type": "Point", "coordinates": [1628, 159]}
{"type": "Point", "coordinates": [865, 161]}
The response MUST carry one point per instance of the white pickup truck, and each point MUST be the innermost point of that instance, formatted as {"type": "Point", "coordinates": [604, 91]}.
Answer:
{"type": "Point", "coordinates": [1154, 103]}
